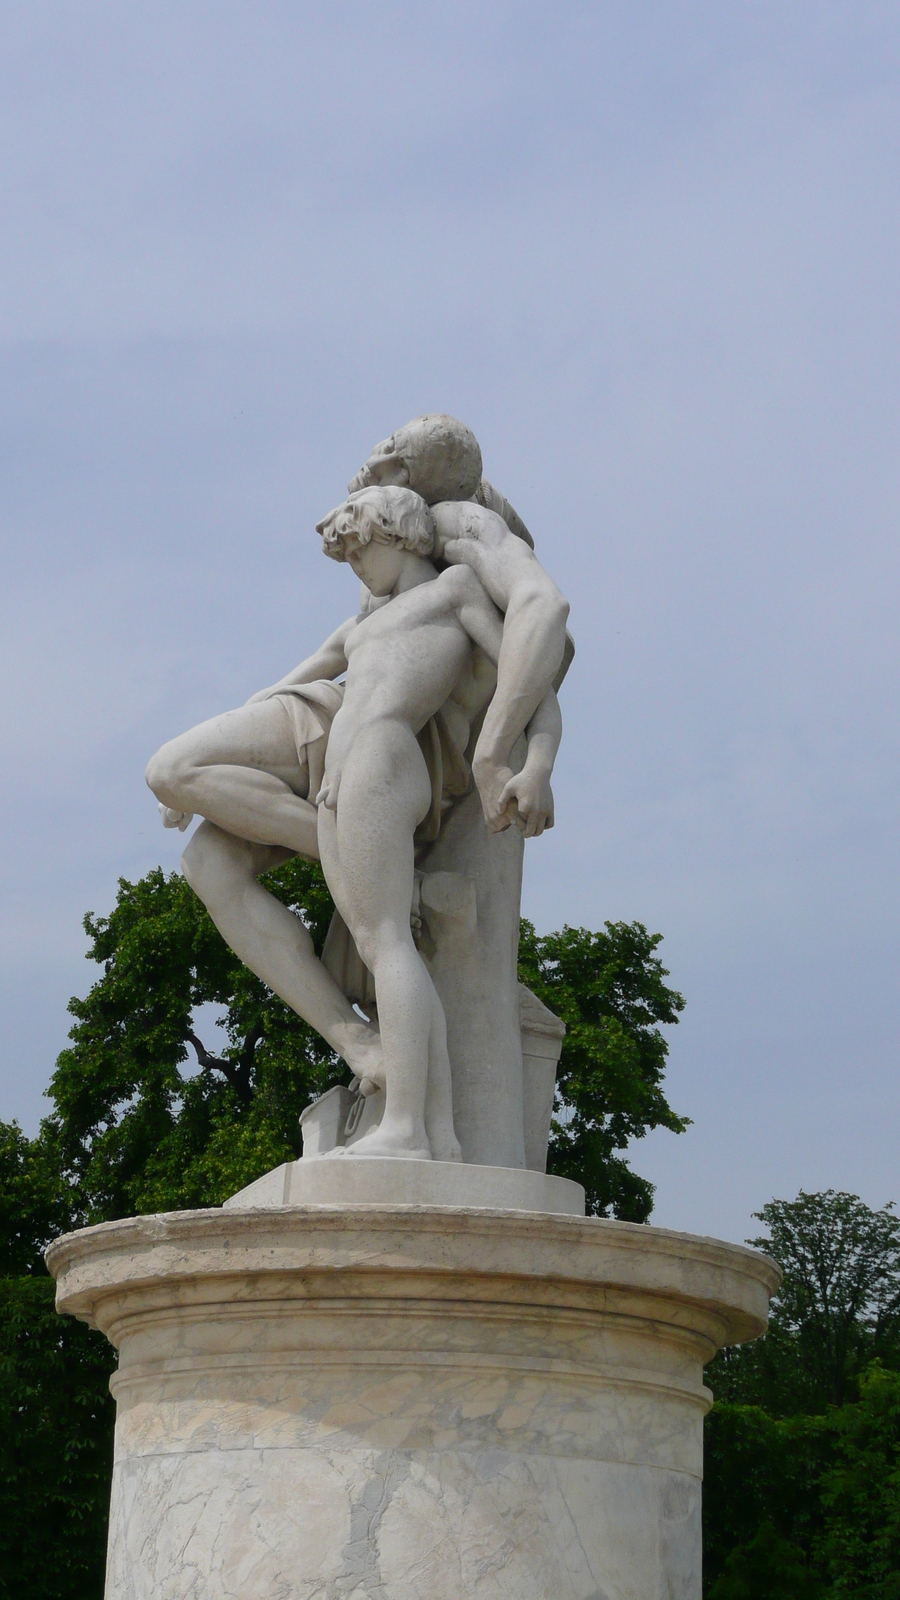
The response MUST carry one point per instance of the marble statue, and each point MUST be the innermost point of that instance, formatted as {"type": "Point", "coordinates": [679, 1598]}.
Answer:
{"type": "Point", "coordinates": [451, 666]}
{"type": "Point", "coordinates": [418, 1370]}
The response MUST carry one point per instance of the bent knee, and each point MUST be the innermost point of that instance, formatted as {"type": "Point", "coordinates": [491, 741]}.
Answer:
{"type": "Point", "coordinates": [168, 771]}
{"type": "Point", "coordinates": [163, 770]}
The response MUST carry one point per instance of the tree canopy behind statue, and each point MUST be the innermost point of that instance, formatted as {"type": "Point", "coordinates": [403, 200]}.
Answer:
{"type": "Point", "coordinates": [149, 1118]}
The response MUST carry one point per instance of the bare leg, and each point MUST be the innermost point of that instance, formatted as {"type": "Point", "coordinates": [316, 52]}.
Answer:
{"type": "Point", "coordinates": [242, 772]}
{"type": "Point", "coordinates": [366, 849]}
{"type": "Point", "coordinates": [439, 1095]}
{"type": "Point", "coordinates": [273, 942]}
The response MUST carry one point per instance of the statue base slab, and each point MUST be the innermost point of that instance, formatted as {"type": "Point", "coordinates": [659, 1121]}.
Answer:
{"type": "Point", "coordinates": [407, 1402]}
{"type": "Point", "coordinates": [364, 1180]}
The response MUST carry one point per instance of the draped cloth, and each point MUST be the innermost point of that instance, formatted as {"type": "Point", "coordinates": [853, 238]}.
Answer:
{"type": "Point", "coordinates": [311, 709]}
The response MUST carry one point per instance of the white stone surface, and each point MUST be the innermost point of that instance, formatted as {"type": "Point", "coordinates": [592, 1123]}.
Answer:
{"type": "Point", "coordinates": [473, 965]}
{"type": "Point", "coordinates": [430, 706]}
{"type": "Point", "coordinates": [408, 661]}
{"type": "Point", "coordinates": [503, 1052]}
{"type": "Point", "coordinates": [336, 1181]}
{"type": "Point", "coordinates": [407, 1403]}
{"type": "Point", "coordinates": [542, 1036]}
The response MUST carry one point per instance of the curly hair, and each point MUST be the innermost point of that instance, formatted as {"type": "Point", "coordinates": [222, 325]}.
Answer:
{"type": "Point", "coordinates": [395, 516]}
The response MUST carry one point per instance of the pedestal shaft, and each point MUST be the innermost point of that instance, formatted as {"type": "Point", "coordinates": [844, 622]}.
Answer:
{"type": "Point", "coordinates": [407, 1403]}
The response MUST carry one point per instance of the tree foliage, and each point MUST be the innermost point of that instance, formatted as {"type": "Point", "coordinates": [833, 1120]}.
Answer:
{"type": "Point", "coordinates": [837, 1310]}
{"type": "Point", "coordinates": [815, 1499]}
{"type": "Point", "coordinates": [147, 1117]}
{"type": "Point", "coordinates": [34, 1203]}
{"type": "Point", "coordinates": [803, 1444]}
{"type": "Point", "coordinates": [56, 1422]}
{"type": "Point", "coordinates": [860, 1541]}
{"type": "Point", "coordinates": [840, 1297]}
{"type": "Point", "coordinates": [768, 1568]}
{"type": "Point", "coordinates": [761, 1495]}
{"type": "Point", "coordinates": [609, 989]}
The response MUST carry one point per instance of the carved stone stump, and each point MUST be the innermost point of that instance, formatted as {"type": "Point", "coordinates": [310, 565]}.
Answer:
{"type": "Point", "coordinates": [398, 1402]}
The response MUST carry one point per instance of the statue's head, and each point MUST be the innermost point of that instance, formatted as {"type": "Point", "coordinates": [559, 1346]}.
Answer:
{"type": "Point", "coordinates": [385, 513]}
{"type": "Point", "coordinates": [435, 455]}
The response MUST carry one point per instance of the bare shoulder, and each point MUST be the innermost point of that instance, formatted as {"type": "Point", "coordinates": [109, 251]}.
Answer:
{"type": "Point", "coordinates": [463, 520]}
{"type": "Point", "coordinates": [458, 585]}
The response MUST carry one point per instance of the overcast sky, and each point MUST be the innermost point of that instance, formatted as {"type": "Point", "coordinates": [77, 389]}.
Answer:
{"type": "Point", "coordinates": [649, 252]}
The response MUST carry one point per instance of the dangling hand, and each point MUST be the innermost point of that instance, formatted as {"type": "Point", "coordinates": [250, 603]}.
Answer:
{"type": "Point", "coordinates": [175, 819]}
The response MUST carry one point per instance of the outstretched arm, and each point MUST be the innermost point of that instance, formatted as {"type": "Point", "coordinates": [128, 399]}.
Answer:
{"type": "Point", "coordinates": [533, 642]}
{"type": "Point", "coordinates": [329, 661]}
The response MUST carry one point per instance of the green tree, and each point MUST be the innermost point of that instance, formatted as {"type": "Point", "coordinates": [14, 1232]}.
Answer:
{"type": "Point", "coordinates": [840, 1296]}
{"type": "Point", "coordinates": [768, 1373]}
{"type": "Point", "coordinates": [837, 1310]}
{"type": "Point", "coordinates": [56, 1425]}
{"type": "Point", "coordinates": [769, 1568]}
{"type": "Point", "coordinates": [35, 1204]}
{"type": "Point", "coordinates": [147, 1117]}
{"type": "Point", "coordinates": [791, 1454]}
{"type": "Point", "coordinates": [860, 1542]}
{"type": "Point", "coordinates": [809, 1501]}
{"type": "Point", "coordinates": [609, 989]}
{"type": "Point", "coordinates": [56, 1414]}
{"type": "Point", "coordinates": [761, 1487]}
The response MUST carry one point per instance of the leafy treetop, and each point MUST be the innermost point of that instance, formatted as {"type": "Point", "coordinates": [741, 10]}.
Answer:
{"type": "Point", "coordinates": [840, 1295]}
{"type": "Point", "coordinates": [609, 989]}
{"type": "Point", "coordinates": [148, 1118]}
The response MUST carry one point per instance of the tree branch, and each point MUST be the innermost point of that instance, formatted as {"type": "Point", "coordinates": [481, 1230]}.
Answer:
{"type": "Point", "coordinates": [237, 1073]}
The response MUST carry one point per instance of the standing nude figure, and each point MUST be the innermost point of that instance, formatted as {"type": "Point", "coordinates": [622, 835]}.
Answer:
{"type": "Point", "coordinates": [403, 660]}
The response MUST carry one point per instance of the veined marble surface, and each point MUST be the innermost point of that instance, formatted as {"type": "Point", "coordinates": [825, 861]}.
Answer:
{"type": "Point", "coordinates": [407, 1403]}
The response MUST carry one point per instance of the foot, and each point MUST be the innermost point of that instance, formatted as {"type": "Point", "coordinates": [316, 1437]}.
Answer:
{"type": "Point", "coordinates": [445, 1149]}
{"type": "Point", "coordinates": [390, 1143]}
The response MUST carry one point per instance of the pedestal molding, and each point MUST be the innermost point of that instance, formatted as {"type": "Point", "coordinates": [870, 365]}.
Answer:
{"type": "Point", "coordinates": [569, 1257]}
{"type": "Point", "coordinates": [471, 1404]}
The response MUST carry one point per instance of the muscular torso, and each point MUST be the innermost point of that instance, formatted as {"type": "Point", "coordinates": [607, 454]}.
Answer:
{"type": "Point", "coordinates": [404, 660]}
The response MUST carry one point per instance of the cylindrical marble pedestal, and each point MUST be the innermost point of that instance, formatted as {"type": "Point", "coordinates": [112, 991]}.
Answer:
{"type": "Point", "coordinates": [407, 1402]}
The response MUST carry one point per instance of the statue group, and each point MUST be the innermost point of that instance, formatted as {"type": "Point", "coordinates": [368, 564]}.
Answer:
{"type": "Point", "coordinates": [403, 1375]}
{"type": "Point", "coordinates": [411, 754]}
